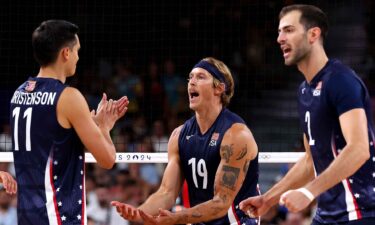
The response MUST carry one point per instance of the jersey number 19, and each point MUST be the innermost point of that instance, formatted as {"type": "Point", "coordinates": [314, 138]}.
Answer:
{"type": "Point", "coordinates": [199, 167]}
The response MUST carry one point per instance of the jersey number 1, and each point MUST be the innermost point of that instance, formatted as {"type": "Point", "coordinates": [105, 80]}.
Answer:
{"type": "Point", "coordinates": [27, 114]}
{"type": "Point", "coordinates": [308, 121]}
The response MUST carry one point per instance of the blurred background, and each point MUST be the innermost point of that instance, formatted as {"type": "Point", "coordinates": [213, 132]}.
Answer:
{"type": "Point", "coordinates": [146, 49]}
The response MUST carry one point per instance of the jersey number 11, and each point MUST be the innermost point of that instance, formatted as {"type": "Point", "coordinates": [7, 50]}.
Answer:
{"type": "Point", "coordinates": [27, 114]}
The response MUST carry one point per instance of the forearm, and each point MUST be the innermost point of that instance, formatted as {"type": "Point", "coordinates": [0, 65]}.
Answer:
{"type": "Point", "coordinates": [158, 200]}
{"type": "Point", "coordinates": [105, 151]}
{"type": "Point", "coordinates": [347, 163]}
{"type": "Point", "coordinates": [203, 212]}
{"type": "Point", "coordinates": [105, 131]}
{"type": "Point", "coordinates": [300, 174]}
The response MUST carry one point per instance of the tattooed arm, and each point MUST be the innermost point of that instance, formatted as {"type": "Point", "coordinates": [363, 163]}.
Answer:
{"type": "Point", "coordinates": [237, 149]}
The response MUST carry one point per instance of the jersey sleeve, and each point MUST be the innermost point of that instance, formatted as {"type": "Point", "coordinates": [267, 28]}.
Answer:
{"type": "Point", "coordinates": [345, 92]}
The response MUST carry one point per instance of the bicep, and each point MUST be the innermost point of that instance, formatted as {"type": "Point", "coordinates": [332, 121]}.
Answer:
{"type": "Point", "coordinates": [354, 126]}
{"type": "Point", "coordinates": [238, 148]}
{"type": "Point", "coordinates": [73, 107]}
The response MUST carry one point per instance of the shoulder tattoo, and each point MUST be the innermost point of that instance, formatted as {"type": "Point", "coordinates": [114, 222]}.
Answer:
{"type": "Point", "coordinates": [226, 152]}
{"type": "Point", "coordinates": [242, 153]}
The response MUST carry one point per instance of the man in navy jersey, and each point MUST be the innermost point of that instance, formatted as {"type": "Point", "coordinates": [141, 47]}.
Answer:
{"type": "Point", "coordinates": [214, 151]}
{"type": "Point", "coordinates": [338, 169]}
{"type": "Point", "coordinates": [51, 123]}
{"type": "Point", "coordinates": [10, 185]}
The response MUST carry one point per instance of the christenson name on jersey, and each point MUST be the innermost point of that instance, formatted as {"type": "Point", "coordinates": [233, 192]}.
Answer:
{"type": "Point", "coordinates": [49, 159]}
{"type": "Point", "coordinates": [35, 98]}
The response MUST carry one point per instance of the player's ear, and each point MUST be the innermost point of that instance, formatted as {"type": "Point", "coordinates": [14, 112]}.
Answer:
{"type": "Point", "coordinates": [314, 34]}
{"type": "Point", "coordinates": [220, 88]}
{"type": "Point", "coordinates": [65, 52]}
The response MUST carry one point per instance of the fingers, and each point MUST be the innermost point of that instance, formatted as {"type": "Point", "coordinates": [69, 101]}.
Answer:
{"type": "Point", "coordinates": [245, 203]}
{"type": "Point", "coordinates": [252, 212]}
{"type": "Point", "coordinates": [162, 212]}
{"type": "Point", "coordinates": [118, 206]}
{"type": "Point", "coordinates": [13, 188]}
{"type": "Point", "coordinates": [122, 101]}
{"type": "Point", "coordinates": [109, 111]}
{"type": "Point", "coordinates": [283, 197]}
{"type": "Point", "coordinates": [109, 107]}
{"type": "Point", "coordinates": [122, 106]}
{"type": "Point", "coordinates": [126, 211]}
{"type": "Point", "coordinates": [122, 112]}
{"type": "Point", "coordinates": [103, 103]}
{"type": "Point", "coordinates": [102, 100]}
{"type": "Point", "coordinates": [115, 203]}
{"type": "Point", "coordinates": [9, 183]}
{"type": "Point", "coordinates": [252, 206]}
{"type": "Point", "coordinates": [148, 219]}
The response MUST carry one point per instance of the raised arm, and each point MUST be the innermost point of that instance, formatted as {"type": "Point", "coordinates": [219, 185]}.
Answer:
{"type": "Point", "coordinates": [237, 149]}
{"type": "Point", "coordinates": [73, 111]}
{"type": "Point", "coordinates": [168, 191]}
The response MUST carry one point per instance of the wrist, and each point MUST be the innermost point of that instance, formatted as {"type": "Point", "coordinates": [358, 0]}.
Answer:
{"type": "Point", "coordinates": [307, 193]}
{"type": "Point", "coordinates": [270, 199]}
{"type": "Point", "coordinates": [103, 128]}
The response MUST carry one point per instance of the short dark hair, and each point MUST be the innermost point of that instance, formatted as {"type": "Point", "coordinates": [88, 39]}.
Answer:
{"type": "Point", "coordinates": [50, 37]}
{"type": "Point", "coordinates": [311, 16]}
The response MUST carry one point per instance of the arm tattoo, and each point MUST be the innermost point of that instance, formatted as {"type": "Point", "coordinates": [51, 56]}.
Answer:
{"type": "Point", "coordinates": [216, 210]}
{"type": "Point", "coordinates": [246, 166]}
{"type": "Point", "coordinates": [196, 214]}
{"type": "Point", "coordinates": [242, 153]}
{"type": "Point", "coordinates": [230, 177]}
{"type": "Point", "coordinates": [226, 152]}
{"type": "Point", "coordinates": [221, 198]}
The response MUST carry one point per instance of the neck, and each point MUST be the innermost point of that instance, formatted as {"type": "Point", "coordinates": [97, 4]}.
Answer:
{"type": "Point", "coordinates": [52, 72]}
{"type": "Point", "coordinates": [313, 63]}
{"type": "Point", "coordinates": [206, 117]}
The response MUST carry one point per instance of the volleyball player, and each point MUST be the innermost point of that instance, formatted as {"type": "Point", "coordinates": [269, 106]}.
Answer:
{"type": "Point", "coordinates": [338, 168]}
{"type": "Point", "coordinates": [50, 122]}
{"type": "Point", "coordinates": [8, 182]}
{"type": "Point", "coordinates": [214, 151]}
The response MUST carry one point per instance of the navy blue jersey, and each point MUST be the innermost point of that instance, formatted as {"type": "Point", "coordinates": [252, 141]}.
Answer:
{"type": "Point", "coordinates": [49, 159]}
{"type": "Point", "coordinates": [200, 158]}
{"type": "Point", "coordinates": [335, 90]}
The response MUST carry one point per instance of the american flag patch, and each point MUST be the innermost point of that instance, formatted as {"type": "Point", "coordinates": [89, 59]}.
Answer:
{"type": "Point", "coordinates": [215, 136]}
{"type": "Point", "coordinates": [319, 86]}
{"type": "Point", "coordinates": [30, 85]}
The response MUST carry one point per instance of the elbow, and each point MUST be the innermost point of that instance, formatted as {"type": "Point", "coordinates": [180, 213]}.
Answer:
{"type": "Point", "coordinates": [362, 152]}
{"type": "Point", "coordinates": [107, 166]}
{"type": "Point", "coordinates": [109, 162]}
{"type": "Point", "coordinates": [221, 204]}
{"type": "Point", "coordinates": [365, 153]}
{"type": "Point", "coordinates": [223, 211]}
